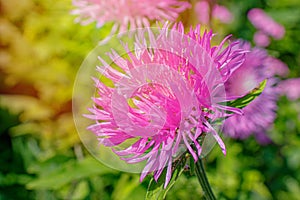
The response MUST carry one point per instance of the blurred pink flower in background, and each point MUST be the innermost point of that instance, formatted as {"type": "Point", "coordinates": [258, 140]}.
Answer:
{"type": "Point", "coordinates": [202, 9]}
{"type": "Point", "coordinates": [222, 13]}
{"type": "Point", "coordinates": [261, 39]}
{"type": "Point", "coordinates": [290, 88]}
{"type": "Point", "coordinates": [127, 13]}
{"type": "Point", "coordinates": [171, 86]}
{"type": "Point", "coordinates": [265, 23]}
{"type": "Point", "coordinates": [260, 114]}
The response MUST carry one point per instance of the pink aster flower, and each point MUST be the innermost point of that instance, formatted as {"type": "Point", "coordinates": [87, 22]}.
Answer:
{"type": "Point", "coordinates": [174, 83]}
{"type": "Point", "coordinates": [290, 88]}
{"type": "Point", "coordinates": [127, 13]}
{"type": "Point", "coordinates": [265, 23]}
{"type": "Point", "coordinates": [260, 114]}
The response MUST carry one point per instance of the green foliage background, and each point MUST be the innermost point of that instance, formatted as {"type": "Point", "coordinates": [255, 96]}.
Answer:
{"type": "Point", "coordinates": [41, 156]}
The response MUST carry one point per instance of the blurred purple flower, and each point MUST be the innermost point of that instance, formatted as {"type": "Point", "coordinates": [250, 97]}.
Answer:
{"type": "Point", "coordinates": [127, 13]}
{"type": "Point", "coordinates": [261, 39]}
{"type": "Point", "coordinates": [260, 114]}
{"type": "Point", "coordinates": [257, 117]}
{"type": "Point", "coordinates": [171, 99]}
{"type": "Point", "coordinates": [290, 88]}
{"type": "Point", "coordinates": [265, 23]}
{"type": "Point", "coordinates": [275, 66]}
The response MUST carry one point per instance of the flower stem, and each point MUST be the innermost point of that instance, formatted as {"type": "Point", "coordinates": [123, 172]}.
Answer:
{"type": "Point", "coordinates": [200, 172]}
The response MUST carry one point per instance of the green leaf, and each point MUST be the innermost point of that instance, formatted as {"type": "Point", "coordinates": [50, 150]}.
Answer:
{"type": "Point", "coordinates": [68, 172]}
{"type": "Point", "coordinates": [245, 100]}
{"type": "Point", "coordinates": [7, 119]}
{"type": "Point", "coordinates": [126, 185]}
{"type": "Point", "coordinates": [11, 179]}
{"type": "Point", "coordinates": [156, 190]}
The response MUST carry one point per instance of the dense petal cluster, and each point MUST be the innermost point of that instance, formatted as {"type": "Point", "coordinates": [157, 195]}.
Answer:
{"type": "Point", "coordinates": [174, 84]}
{"type": "Point", "coordinates": [127, 13]}
{"type": "Point", "coordinates": [259, 115]}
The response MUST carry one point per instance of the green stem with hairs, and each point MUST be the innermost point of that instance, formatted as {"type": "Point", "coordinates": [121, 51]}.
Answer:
{"type": "Point", "coordinates": [202, 178]}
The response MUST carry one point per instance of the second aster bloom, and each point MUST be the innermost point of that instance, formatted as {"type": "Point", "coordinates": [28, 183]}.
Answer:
{"type": "Point", "coordinates": [127, 13]}
{"type": "Point", "coordinates": [260, 114]}
{"type": "Point", "coordinates": [165, 96]}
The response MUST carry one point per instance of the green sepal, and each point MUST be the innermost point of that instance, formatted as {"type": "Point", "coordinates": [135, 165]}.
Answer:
{"type": "Point", "coordinates": [248, 98]}
{"type": "Point", "coordinates": [156, 190]}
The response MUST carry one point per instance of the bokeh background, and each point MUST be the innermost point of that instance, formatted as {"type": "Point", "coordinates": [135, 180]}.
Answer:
{"type": "Point", "coordinates": [41, 155]}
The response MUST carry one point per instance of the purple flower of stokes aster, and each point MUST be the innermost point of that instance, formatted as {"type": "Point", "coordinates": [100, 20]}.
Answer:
{"type": "Point", "coordinates": [127, 13]}
{"type": "Point", "coordinates": [260, 114]}
{"type": "Point", "coordinates": [173, 83]}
